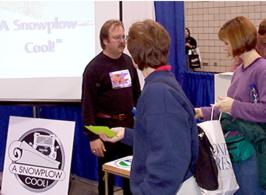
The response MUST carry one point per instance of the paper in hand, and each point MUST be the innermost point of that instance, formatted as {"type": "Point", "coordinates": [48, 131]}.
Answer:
{"type": "Point", "coordinates": [101, 130]}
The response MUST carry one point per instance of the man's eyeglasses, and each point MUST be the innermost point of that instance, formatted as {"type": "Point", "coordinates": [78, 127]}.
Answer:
{"type": "Point", "coordinates": [120, 37]}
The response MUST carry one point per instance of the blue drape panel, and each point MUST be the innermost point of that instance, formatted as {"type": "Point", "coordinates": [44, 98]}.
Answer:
{"type": "Point", "coordinates": [171, 15]}
{"type": "Point", "coordinates": [5, 112]}
{"type": "Point", "coordinates": [199, 88]}
{"type": "Point", "coordinates": [84, 163]}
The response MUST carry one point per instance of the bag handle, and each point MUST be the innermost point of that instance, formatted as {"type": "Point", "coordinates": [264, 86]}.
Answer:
{"type": "Point", "coordinates": [212, 113]}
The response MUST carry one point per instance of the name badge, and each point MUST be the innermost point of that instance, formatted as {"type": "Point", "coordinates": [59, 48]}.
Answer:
{"type": "Point", "coordinates": [120, 79]}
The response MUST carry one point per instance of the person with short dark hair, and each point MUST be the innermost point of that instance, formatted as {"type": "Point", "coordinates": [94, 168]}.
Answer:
{"type": "Point", "coordinates": [246, 100]}
{"type": "Point", "coordinates": [110, 90]}
{"type": "Point", "coordinates": [165, 136]}
{"type": "Point", "coordinates": [190, 42]}
{"type": "Point", "coordinates": [192, 51]}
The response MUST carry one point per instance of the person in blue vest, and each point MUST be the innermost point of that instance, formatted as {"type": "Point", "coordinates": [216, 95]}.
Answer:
{"type": "Point", "coordinates": [165, 137]}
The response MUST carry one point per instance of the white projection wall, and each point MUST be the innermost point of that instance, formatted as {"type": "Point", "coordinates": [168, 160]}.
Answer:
{"type": "Point", "coordinates": [45, 46]}
{"type": "Point", "coordinates": [46, 38]}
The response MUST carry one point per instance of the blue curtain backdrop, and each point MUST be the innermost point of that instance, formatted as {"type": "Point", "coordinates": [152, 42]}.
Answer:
{"type": "Point", "coordinates": [171, 15]}
{"type": "Point", "coordinates": [199, 87]}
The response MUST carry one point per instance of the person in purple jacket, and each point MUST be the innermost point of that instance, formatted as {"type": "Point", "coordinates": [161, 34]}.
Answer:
{"type": "Point", "coordinates": [165, 137]}
{"type": "Point", "coordinates": [246, 96]}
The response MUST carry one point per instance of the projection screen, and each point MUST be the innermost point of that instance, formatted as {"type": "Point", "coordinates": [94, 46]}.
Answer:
{"type": "Point", "coordinates": [45, 46]}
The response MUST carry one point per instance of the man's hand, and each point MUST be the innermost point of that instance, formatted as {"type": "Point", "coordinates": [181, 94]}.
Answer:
{"type": "Point", "coordinates": [97, 147]}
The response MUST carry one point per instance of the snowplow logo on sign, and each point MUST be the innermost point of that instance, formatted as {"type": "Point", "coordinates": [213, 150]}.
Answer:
{"type": "Point", "coordinates": [37, 160]}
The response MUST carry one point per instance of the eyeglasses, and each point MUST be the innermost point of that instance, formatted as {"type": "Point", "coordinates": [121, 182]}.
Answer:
{"type": "Point", "coordinates": [120, 37]}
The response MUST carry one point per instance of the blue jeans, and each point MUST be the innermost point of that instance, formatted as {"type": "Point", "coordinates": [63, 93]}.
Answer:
{"type": "Point", "coordinates": [247, 178]}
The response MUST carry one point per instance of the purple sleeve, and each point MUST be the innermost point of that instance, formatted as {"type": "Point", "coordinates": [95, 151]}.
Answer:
{"type": "Point", "coordinates": [206, 111]}
{"type": "Point", "coordinates": [255, 112]}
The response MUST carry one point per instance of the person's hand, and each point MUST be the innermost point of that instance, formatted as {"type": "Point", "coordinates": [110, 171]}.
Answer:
{"type": "Point", "coordinates": [224, 104]}
{"type": "Point", "coordinates": [97, 147]}
{"type": "Point", "coordinates": [120, 132]}
{"type": "Point", "coordinates": [198, 113]}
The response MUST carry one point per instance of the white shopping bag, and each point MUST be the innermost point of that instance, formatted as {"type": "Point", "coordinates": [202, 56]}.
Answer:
{"type": "Point", "coordinates": [226, 177]}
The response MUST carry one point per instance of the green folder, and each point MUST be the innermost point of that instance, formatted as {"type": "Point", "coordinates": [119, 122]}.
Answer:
{"type": "Point", "coordinates": [101, 130]}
